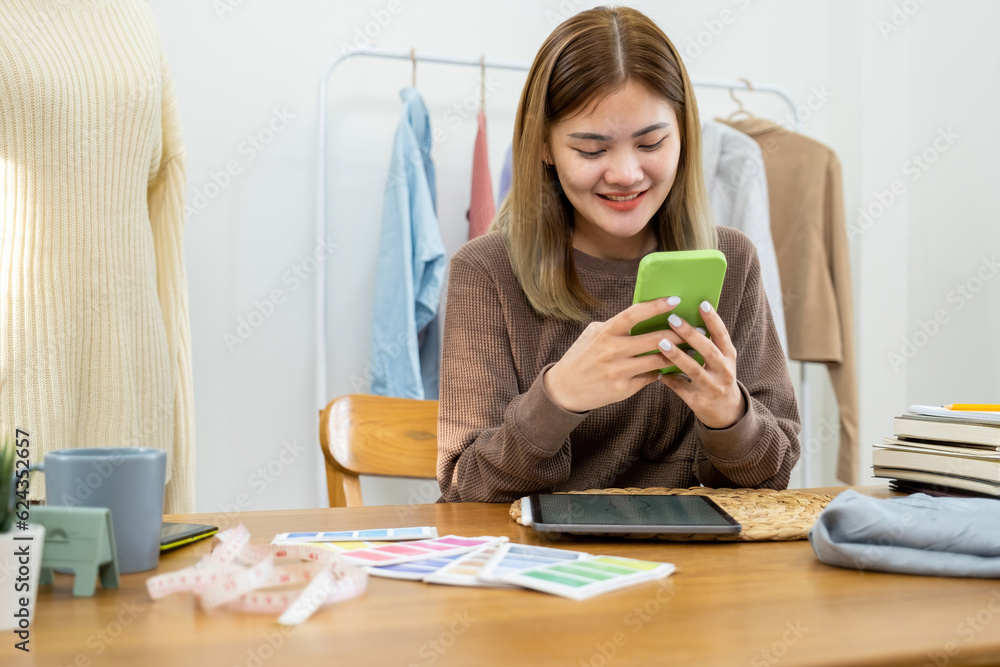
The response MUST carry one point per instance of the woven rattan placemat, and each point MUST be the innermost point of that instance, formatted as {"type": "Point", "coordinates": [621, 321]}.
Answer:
{"type": "Point", "coordinates": [765, 514]}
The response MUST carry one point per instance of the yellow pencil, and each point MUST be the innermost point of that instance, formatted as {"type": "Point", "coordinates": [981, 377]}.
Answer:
{"type": "Point", "coordinates": [974, 407]}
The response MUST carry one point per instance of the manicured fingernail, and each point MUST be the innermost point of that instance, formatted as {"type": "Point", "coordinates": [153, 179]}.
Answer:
{"type": "Point", "coordinates": [665, 345]}
{"type": "Point", "coordinates": [690, 353]}
{"type": "Point", "coordinates": [675, 321]}
{"type": "Point", "coordinates": [673, 301]}
{"type": "Point", "coordinates": [706, 307]}
{"type": "Point", "coordinates": [700, 330]}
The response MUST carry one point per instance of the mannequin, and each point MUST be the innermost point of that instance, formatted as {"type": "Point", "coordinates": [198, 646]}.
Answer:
{"type": "Point", "coordinates": [95, 343]}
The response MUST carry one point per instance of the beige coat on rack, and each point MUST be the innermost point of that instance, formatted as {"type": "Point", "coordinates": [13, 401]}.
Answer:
{"type": "Point", "coordinates": [810, 238]}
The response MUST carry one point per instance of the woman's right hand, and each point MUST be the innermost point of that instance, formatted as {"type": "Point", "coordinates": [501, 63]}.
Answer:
{"type": "Point", "coordinates": [602, 366]}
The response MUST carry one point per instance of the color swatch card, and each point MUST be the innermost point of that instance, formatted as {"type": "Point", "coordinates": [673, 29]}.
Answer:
{"type": "Point", "coordinates": [589, 576]}
{"type": "Point", "coordinates": [390, 554]}
{"type": "Point", "coordinates": [379, 534]}
{"type": "Point", "coordinates": [465, 569]}
{"type": "Point", "coordinates": [414, 570]}
{"type": "Point", "coordinates": [338, 547]}
{"type": "Point", "coordinates": [510, 558]}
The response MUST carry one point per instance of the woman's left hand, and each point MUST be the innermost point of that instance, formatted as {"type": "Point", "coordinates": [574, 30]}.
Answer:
{"type": "Point", "coordinates": [712, 392]}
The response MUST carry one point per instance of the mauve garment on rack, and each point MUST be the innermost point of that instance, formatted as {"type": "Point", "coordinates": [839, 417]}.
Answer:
{"type": "Point", "coordinates": [737, 188]}
{"type": "Point", "coordinates": [405, 351]}
{"type": "Point", "coordinates": [810, 237]}
{"type": "Point", "coordinates": [506, 174]}
{"type": "Point", "coordinates": [481, 207]}
{"type": "Point", "coordinates": [918, 534]}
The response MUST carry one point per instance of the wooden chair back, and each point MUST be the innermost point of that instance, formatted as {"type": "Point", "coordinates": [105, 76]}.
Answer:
{"type": "Point", "coordinates": [376, 435]}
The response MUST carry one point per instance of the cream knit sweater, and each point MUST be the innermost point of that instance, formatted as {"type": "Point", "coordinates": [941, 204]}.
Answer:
{"type": "Point", "coordinates": [95, 343]}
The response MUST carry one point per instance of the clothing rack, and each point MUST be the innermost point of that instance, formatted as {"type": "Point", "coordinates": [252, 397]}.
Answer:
{"type": "Point", "coordinates": [492, 63]}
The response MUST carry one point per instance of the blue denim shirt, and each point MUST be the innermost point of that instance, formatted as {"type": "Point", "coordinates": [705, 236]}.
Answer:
{"type": "Point", "coordinates": [405, 350]}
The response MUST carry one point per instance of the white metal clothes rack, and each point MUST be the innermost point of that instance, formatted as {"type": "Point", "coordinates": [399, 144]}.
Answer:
{"type": "Point", "coordinates": [479, 61]}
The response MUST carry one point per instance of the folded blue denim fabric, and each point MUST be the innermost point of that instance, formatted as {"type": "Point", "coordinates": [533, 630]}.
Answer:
{"type": "Point", "coordinates": [917, 534]}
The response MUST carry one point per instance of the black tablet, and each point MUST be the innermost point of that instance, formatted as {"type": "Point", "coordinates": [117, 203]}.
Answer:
{"type": "Point", "coordinates": [606, 513]}
{"type": "Point", "coordinates": [173, 535]}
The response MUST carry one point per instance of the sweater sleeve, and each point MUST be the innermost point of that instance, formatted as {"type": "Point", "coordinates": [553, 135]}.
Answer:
{"type": "Point", "coordinates": [497, 442]}
{"type": "Point", "coordinates": [165, 199]}
{"type": "Point", "coordinates": [762, 447]}
{"type": "Point", "coordinates": [843, 375]}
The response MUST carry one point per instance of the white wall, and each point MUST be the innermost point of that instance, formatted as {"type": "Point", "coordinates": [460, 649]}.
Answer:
{"type": "Point", "coordinates": [925, 129]}
{"type": "Point", "coordinates": [254, 70]}
{"type": "Point", "coordinates": [954, 246]}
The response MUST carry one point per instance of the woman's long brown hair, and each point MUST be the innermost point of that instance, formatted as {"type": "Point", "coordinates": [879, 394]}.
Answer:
{"type": "Point", "coordinates": [585, 59]}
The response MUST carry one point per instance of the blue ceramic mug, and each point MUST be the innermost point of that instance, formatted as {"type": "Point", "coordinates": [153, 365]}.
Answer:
{"type": "Point", "coordinates": [130, 481]}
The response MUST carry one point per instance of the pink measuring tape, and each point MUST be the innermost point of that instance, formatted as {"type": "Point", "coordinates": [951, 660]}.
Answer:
{"type": "Point", "coordinates": [231, 575]}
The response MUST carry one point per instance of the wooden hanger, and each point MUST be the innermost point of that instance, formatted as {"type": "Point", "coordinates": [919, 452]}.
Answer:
{"type": "Point", "coordinates": [732, 93]}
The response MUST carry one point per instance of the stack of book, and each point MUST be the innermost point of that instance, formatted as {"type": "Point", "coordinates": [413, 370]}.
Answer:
{"type": "Point", "coordinates": [942, 451]}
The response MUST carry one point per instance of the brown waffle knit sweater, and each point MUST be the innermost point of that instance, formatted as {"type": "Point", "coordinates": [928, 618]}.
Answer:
{"type": "Point", "coordinates": [501, 437]}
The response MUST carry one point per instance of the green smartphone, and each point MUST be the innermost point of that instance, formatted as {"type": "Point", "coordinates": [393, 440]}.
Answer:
{"type": "Point", "coordinates": [693, 275]}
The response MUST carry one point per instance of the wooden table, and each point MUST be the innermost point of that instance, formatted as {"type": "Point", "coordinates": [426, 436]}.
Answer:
{"type": "Point", "coordinates": [758, 604]}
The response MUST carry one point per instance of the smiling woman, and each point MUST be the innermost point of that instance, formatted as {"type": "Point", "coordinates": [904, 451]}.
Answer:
{"type": "Point", "coordinates": [542, 386]}
{"type": "Point", "coordinates": [616, 178]}
{"type": "Point", "coordinates": [621, 57]}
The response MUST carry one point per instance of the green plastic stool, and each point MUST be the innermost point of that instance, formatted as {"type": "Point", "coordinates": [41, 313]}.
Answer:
{"type": "Point", "coordinates": [80, 539]}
